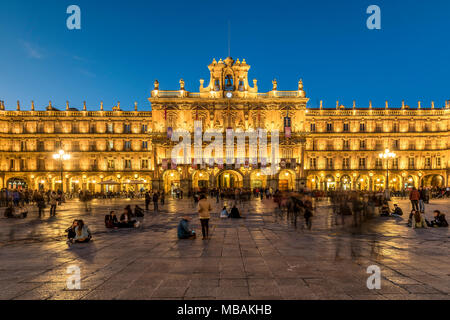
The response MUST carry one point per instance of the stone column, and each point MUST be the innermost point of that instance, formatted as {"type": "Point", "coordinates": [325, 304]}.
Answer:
{"type": "Point", "coordinates": [301, 183]}
{"type": "Point", "coordinates": [246, 181]}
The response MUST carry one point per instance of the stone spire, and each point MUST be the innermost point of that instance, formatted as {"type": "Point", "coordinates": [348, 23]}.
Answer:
{"type": "Point", "coordinates": [301, 91]}
{"type": "Point", "coordinates": [18, 105]}
{"type": "Point", "coordinates": [101, 105]}
{"type": "Point", "coordinates": [84, 106]}
{"type": "Point", "coordinates": [135, 106]}
{"type": "Point", "coordinates": [67, 105]}
{"type": "Point", "coordinates": [32, 105]}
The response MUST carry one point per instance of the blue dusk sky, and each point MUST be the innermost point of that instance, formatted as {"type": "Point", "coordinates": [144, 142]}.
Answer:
{"type": "Point", "coordinates": [123, 46]}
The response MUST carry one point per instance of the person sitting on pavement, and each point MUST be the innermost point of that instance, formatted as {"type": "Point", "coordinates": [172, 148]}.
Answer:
{"type": "Point", "coordinates": [183, 230]}
{"type": "Point", "coordinates": [397, 211]}
{"type": "Point", "coordinates": [138, 211]}
{"type": "Point", "coordinates": [82, 233]}
{"type": "Point", "coordinates": [224, 213]}
{"type": "Point", "coordinates": [15, 212]}
{"type": "Point", "coordinates": [418, 220]}
{"type": "Point", "coordinates": [234, 213]}
{"type": "Point", "coordinates": [385, 212]}
{"type": "Point", "coordinates": [71, 231]}
{"type": "Point", "coordinates": [129, 211]}
{"type": "Point", "coordinates": [438, 220]}
{"type": "Point", "coordinates": [125, 220]}
{"type": "Point", "coordinates": [111, 220]}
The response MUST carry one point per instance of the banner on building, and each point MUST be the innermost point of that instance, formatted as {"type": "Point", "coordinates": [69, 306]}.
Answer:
{"type": "Point", "coordinates": [164, 164]}
{"type": "Point", "coordinates": [287, 127]}
{"type": "Point", "coordinates": [169, 132]}
{"type": "Point", "coordinates": [287, 132]}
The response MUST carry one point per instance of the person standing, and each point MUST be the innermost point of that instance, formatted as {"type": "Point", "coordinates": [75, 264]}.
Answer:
{"type": "Point", "coordinates": [204, 209]}
{"type": "Point", "coordinates": [40, 202]}
{"type": "Point", "coordinates": [422, 198]}
{"type": "Point", "coordinates": [163, 197]}
{"type": "Point", "coordinates": [53, 203]}
{"type": "Point", "coordinates": [147, 200]}
{"type": "Point", "coordinates": [414, 197]}
{"type": "Point", "coordinates": [155, 202]}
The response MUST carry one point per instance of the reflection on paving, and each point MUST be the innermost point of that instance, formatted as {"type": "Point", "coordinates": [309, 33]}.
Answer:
{"type": "Point", "coordinates": [260, 257]}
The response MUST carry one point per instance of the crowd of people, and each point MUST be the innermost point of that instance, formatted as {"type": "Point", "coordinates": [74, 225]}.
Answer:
{"type": "Point", "coordinates": [358, 204]}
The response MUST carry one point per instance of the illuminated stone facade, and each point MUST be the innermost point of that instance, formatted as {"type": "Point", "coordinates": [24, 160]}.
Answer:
{"type": "Point", "coordinates": [321, 148]}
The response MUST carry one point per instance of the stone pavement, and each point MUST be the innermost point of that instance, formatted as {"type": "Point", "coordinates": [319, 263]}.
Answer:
{"type": "Point", "coordinates": [260, 257]}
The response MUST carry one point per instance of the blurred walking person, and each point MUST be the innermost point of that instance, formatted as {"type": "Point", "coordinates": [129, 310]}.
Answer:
{"type": "Point", "coordinates": [204, 209]}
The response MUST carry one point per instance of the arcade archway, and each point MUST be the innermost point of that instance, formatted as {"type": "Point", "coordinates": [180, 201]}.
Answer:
{"type": "Point", "coordinates": [362, 183]}
{"type": "Point", "coordinates": [171, 180]}
{"type": "Point", "coordinates": [346, 182]}
{"type": "Point", "coordinates": [229, 179]}
{"type": "Point", "coordinates": [313, 182]}
{"type": "Point", "coordinates": [257, 179]}
{"type": "Point", "coordinates": [433, 180]}
{"type": "Point", "coordinates": [286, 180]}
{"type": "Point", "coordinates": [330, 183]}
{"type": "Point", "coordinates": [379, 183]}
{"type": "Point", "coordinates": [16, 183]}
{"type": "Point", "coordinates": [395, 182]}
{"type": "Point", "coordinates": [200, 180]}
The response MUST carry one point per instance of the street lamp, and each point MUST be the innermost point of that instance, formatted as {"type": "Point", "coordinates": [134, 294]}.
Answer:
{"type": "Point", "coordinates": [387, 155]}
{"type": "Point", "coordinates": [61, 155]}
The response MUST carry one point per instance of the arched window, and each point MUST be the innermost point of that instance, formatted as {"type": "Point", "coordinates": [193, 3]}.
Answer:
{"type": "Point", "coordinates": [229, 85]}
{"type": "Point", "coordinates": [241, 85]}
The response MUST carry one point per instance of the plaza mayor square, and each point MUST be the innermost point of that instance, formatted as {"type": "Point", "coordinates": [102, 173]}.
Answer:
{"type": "Point", "coordinates": [153, 151]}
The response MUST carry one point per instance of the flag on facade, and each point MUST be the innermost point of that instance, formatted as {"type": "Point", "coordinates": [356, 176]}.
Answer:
{"type": "Point", "coordinates": [287, 132]}
{"type": "Point", "coordinates": [287, 126]}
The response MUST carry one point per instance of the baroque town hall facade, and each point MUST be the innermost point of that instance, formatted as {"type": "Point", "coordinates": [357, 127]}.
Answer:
{"type": "Point", "coordinates": [320, 148]}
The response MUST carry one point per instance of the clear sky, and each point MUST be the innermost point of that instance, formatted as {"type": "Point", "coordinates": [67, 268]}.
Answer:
{"type": "Point", "coordinates": [123, 46]}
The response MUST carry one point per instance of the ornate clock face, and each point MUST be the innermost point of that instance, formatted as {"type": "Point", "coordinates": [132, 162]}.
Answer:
{"type": "Point", "coordinates": [229, 95]}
